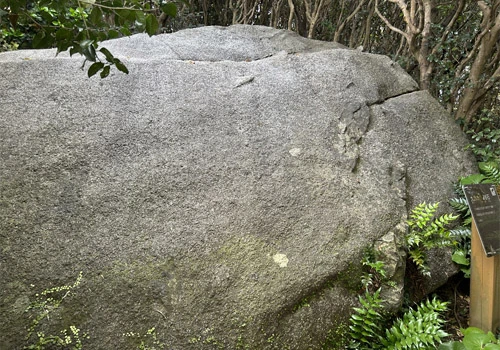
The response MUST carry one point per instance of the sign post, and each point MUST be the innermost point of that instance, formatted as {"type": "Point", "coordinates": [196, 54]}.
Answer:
{"type": "Point", "coordinates": [484, 204]}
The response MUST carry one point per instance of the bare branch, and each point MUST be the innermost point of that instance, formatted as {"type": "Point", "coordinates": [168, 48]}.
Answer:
{"type": "Point", "coordinates": [492, 80]}
{"type": "Point", "coordinates": [486, 13]}
{"type": "Point", "coordinates": [308, 6]}
{"type": "Point", "coordinates": [409, 19]}
{"type": "Point", "coordinates": [401, 45]}
{"type": "Point", "coordinates": [313, 10]}
{"type": "Point", "coordinates": [388, 24]}
{"type": "Point", "coordinates": [450, 25]}
{"type": "Point", "coordinates": [367, 41]}
{"type": "Point", "coordinates": [347, 20]}
{"type": "Point", "coordinates": [292, 12]}
{"type": "Point", "coordinates": [479, 39]}
{"type": "Point", "coordinates": [341, 13]}
{"type": "Point", "coordinates": [413, 10]}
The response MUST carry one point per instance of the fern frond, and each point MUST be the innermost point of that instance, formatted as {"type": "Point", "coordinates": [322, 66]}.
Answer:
{"type": "Point", "coordinates": [366, 323]}
{"type": "Point", "coordinates": [460, 233]}
{"type": "Point", "coordinates": [413, 240]}
{"type": "Point", "coordinates": [427, 232]}
{"type": "Point", "coordinates": [419, 258]}
{"type": "Point", "coordinates": [446, 219]}
{"type": "Point", "coordinates": [491, 172]}
{"type": "Point", "coordinates": [457, 189]}
{"type": "Point", "coordinates": [439, 243]}
{"type": "Point", "coordinates": [418, 329]}
{"type": "Point", "coordinates": [459, 204]}
{"type": "Point", "coordinates": [422, 214]}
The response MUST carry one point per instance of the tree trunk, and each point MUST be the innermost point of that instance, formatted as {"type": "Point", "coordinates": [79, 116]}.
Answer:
{"type": "Point", "coordinates": [475, 86]}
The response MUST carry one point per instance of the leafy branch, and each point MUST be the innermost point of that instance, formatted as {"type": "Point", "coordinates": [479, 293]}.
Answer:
{"type": "Point", "coordinates": [79, 25]}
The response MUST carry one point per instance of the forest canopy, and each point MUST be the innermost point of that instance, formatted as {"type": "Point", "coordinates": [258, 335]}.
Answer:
{"type": "Point", "coordinates": [451, 48]}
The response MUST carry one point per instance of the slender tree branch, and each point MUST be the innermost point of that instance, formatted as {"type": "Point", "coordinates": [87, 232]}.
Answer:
{"type": "Point", "coordinates": [387, 23]}
{"type": "Point", "coordinates": [471, 54]}
{"type": "Point", "coordinates": [341, 14]}
{"type": "Point", "coordinates": [450, 25]}
{"type": "Point", "coordinates": [292, 12]}
{"type": "Point", "coordinates": [348, 19]}
{"type": "Point", "coordinates": [409, 19]}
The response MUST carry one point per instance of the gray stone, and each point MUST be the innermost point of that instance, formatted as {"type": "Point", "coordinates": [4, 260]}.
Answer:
{"type": "Point", "coordinates": [224, 191]}
{"type": "Point", "coordinates": [391, 251]}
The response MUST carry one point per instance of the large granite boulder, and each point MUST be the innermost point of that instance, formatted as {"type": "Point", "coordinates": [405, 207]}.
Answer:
{"type": "Point", "coordinates": [222, 192]}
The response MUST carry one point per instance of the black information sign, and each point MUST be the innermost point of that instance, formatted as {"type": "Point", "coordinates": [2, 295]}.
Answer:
{"type": "Point", "coordinates": [484, 205]}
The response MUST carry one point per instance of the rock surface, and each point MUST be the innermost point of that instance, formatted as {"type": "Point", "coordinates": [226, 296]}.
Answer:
{"type": "Point", "coordinates": [223, 191]}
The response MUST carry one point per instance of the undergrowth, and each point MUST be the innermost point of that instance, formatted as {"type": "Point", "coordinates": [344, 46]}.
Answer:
{"type": "Point", "coordinates": [373, 328]}
{"type": "Point", "coordinates": [489, 173]}
{"type": "Point", "coordinates": [46, 303]}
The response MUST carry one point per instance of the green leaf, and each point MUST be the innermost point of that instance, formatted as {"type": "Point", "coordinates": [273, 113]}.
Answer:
{"type": "Point", "coordinates": [484, 166]}
{"type": "Point", "coordinates": [472, 179]}
{"type": "Point", "coordinates": [63, 46]}
{"type": "Point", "coordinates": [477, 340]}
{"type": "Point", "coordinates": [109, 57]}
{"type": "Point", "coordinates": [471, 330]}
{"type": "Point", "coordinates": [85, 43]}
{"type": "Point", "coordinates": [64, 34]}
{"type": "Point", "coordinates": [460, 258]}
{"type": "Point", "coordinates": [94, 68]}
{"type": "Point", "coordinates": [459, 204]}
{"type": "Point", "coordinates": [73, 50]}
{"type": "Point", "coordinates": [88, 50]}
{"type": "Point", "coordinates": [170, 9]}
{"type": "Point", "coordinates": [47, 17]}
{"type": "Point", "coordinates": [96, 15]}
{"type": "Point", "coordinates": [64, 39]}
{"type": "Point", "coordinates": [125, 14]}
{"type": "Point", "coordinates": [120, 66]}
{"type": "Point", "coordinates": [113, 34]}
{"type": "Point", "coordinates": [105, 72]}
{"type": "Point", "coordinates": [151, 24]}
{"type": "Point", "coordinates": [140, 21]}
{"type": "Point", "coordinates": [42, 40]}
{"type": "Point", "coordinates": [100, 36]}
{"type": "Point", "coordinates": [125, 31]}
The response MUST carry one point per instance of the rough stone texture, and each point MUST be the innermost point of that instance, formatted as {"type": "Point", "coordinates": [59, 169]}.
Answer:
{"type": "Point", "coordinates": [391, 251]}
{"type": "Point", "coordinates": [223, 191]}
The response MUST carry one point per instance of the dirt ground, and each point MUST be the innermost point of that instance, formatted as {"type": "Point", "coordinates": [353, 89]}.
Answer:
{"type": "Point", "coordinates": [456, 291]}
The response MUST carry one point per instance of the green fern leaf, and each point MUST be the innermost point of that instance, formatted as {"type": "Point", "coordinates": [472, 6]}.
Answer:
{"type": "Point", "coordinates": [460, 233]}
{"type": "Point", "coordinates": [491, 171]}
{"type": "Point", "coordinates": [459, 204]}
{"type": "Point", "coordinates": [366, 322]}
{"type": "Point", "coordinates": [418, 329]}
{"type": "Point", "coordinates": [427, 232]}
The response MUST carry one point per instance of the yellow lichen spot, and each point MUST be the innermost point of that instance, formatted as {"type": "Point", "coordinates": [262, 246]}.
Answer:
{"type": "Point", "coordinates": [280, 259]}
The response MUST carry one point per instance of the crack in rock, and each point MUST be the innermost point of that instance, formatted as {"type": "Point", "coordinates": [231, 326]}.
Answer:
{"type": "Point", "coordinates": [244, 80]}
